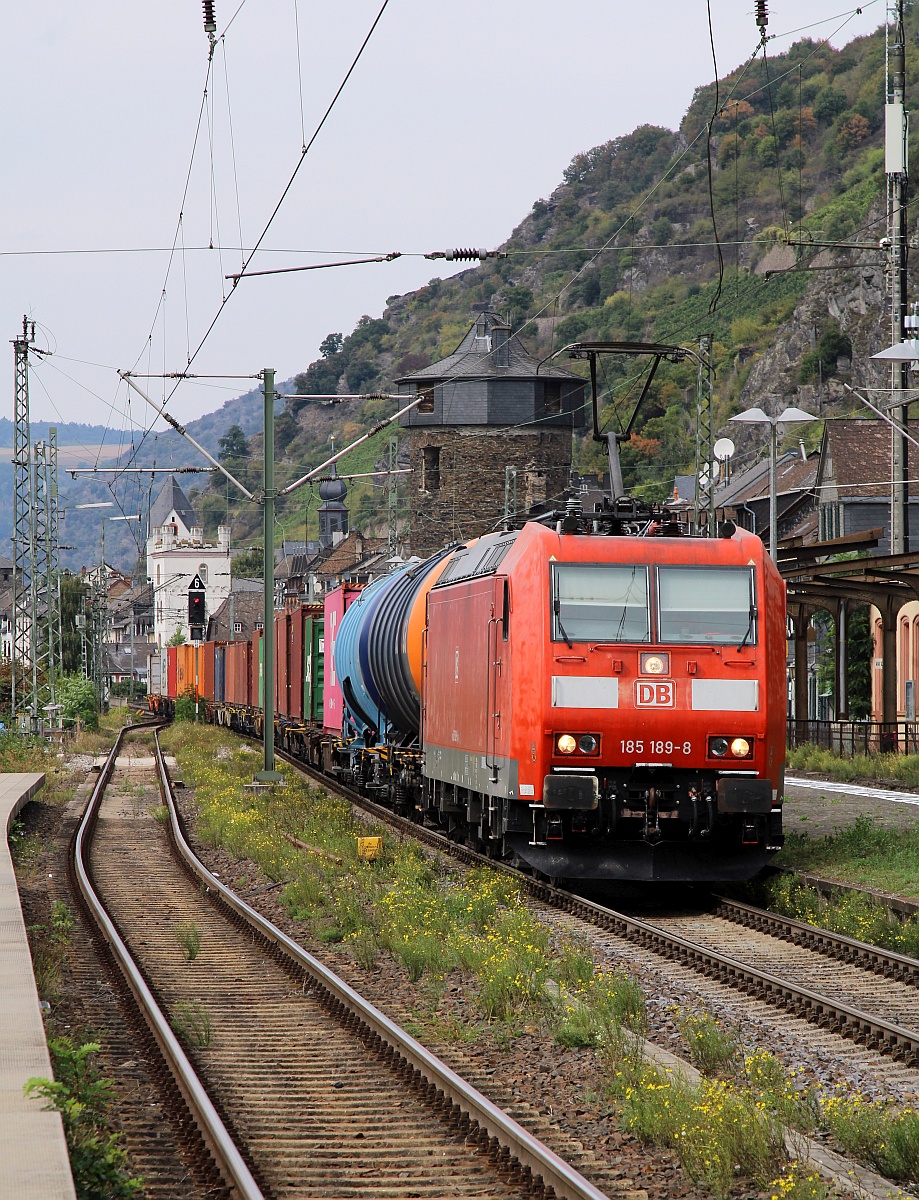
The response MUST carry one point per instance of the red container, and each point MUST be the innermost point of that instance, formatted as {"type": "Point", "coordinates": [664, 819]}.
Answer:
{"type": "Point", "coordinates": [295, 664]}
{"type": "Point", "coordinates": [185, 670]}
{"type": "Point", "coordinates": [336, 604]}
{"type": "Point", "coordinates": [206, 668]}
{"type": "Point", "coordinates": [281, 674]}
{"type": "Point", "coordinates": [172, 653]}
{"type": "Point", "coordinates": [237, 686]}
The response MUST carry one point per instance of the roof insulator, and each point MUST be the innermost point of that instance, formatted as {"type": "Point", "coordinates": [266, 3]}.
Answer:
{"type": "Point", "coordinates": [467, 255]}
{"type": "Point", "coordinates": [762, 15]}
{"type": "Point", "coordinates": [210, 20]}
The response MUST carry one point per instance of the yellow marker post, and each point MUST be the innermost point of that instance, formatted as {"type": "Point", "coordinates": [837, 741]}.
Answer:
{"type": "Point", "coordinates": [369, 848]}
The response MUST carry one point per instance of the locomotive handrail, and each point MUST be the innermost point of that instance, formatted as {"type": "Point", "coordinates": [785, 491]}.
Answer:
{"type": "Point", "coordinates": [205, 1114]}
{"type": "Point", "coordinates": [527, 1149]}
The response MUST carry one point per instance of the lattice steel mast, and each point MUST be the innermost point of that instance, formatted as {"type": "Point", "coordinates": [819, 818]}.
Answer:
{"type": "Point", "coordinates": [22, 516]}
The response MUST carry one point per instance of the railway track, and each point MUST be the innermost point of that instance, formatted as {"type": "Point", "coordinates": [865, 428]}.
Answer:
{"type": "Point", "coordinates": [775, 959]}
{"type": "Point", "coordinates": [296, 1086]}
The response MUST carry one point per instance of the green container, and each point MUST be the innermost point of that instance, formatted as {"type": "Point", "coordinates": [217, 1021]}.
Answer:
{"type": "Point", "coordinates": [313, 669]}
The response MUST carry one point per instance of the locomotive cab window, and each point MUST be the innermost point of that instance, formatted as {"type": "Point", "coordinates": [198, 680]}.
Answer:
{"type": "Point", "coordinates": [706, 605]}
{"type": "Point", "coordinates": [600, 603]}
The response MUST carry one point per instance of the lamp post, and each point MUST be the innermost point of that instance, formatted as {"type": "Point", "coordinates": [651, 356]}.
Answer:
{"type": "Point", "coordinates": [790, 416]}
{"type": "Point", "coordinates": [900, 355]}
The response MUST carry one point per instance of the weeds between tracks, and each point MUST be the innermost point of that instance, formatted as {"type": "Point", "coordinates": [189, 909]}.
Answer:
{"type": "Point", "coordinates": [471, 928]}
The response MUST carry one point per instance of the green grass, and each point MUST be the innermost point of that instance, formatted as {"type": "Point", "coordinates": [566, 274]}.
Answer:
{"type": "Point", "coordinates": [887, 768]}
{"type": "Point", "coordinates": [854, 914]}
{"type": "Point", "coordinates": [471, 929]}
{"type": "Point", "coordinates": [865, 853]}
{"type": "Point", "coordinates": [433, 918]}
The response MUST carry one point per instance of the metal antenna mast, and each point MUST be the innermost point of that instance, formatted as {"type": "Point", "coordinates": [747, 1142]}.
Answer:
{"type": "Point", "coordinates": [55, 635]}
{"type": "Point", "coordinates": [42, 660]}
{"type": "Point", "coordinates": [895, 165]}
{"type": "Point", "coordinates": [704, 500]}
{"type": "Point", "coordinates": [22, 514]}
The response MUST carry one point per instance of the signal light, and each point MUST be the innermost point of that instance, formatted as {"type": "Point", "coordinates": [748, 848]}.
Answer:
{"type": "Point", "coordinates": [654, 664]}
{"type": "Point", "coordinates": [722, 747]}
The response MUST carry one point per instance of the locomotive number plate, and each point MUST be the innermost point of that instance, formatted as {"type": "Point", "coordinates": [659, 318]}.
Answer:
{"type": "Point", "coordinates": [655, 693]}
{"type": "Point", "coordinates": [653, 746]}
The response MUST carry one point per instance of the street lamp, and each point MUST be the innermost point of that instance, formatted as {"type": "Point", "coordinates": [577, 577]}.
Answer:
{"type": "Point", "coordinates": [900, 356]}
{"type": "Point", "coordinates": [790, 416]}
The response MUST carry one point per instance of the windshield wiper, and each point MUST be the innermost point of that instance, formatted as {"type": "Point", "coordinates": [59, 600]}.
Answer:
{"type": "Point", "coordinates": [747, 635]}
{"type": "Point", "coordinates": [561, 628]}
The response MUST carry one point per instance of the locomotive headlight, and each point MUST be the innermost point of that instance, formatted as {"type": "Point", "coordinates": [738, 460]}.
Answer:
{"type": "Point", "coordinates": [654, 664]}
{"type": "Point", "coordinates": [718, 746]}
{"type": "Point", "coordinates": [587, 743]}
{"type": "Point", "coordinates": [740, 748]}
{"type": "Point", "coordinates": [566, 744]}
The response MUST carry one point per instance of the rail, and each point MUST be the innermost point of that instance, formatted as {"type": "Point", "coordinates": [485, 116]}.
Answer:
{"type": "Point", "coordinates": [887, 1036]}
{"type": "Point", "coordinates": [567, 1183]}
{"type": "Point", "coordinates": [215, 1133]}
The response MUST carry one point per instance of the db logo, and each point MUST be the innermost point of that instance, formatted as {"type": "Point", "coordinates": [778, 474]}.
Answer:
{"type": "Point", "coordinates": [657, 694]}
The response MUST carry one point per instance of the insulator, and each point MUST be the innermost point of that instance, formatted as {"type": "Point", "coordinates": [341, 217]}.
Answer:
{"type": "Point", "coordinates": [762, 14]}
{"type": "Point", "coordinates": [210, 20]}
{"type": "Point", "coordinates": [465, 255]}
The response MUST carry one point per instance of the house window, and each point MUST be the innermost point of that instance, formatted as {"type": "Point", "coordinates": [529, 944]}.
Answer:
{"type": "Point", "coordinates": [426, 390]}
{"type": "Point", "coordinates": [552, 395]}
{"type": "Point", "coordinates": [430, 479]}
{"type": "Point", "coordinates": [259, 625]}
{"type": "Point", "coordinates": [237, 626]}
{"type": "Point", "coordinates": [202, 572]}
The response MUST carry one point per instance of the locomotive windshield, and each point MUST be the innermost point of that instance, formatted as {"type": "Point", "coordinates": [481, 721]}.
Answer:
{"type": "Point", "coordinates": [706, 604]}
{"type": "Point", "coordinates": [600, 603]}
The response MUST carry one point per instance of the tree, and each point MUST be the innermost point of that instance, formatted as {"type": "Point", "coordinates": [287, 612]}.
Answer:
{"type": "Point", "coordinates": [178, 638]}
{"type": "Point", "coordinates": [250, 564]}
{"type": "Point", "coordinates": [78, 698]}
{"type": "Point", "coordinates": [859, 653]}
{"type": "Point", "coordinates": [73, 591]}
{"type": "Point", "coordinates": [233, 450]}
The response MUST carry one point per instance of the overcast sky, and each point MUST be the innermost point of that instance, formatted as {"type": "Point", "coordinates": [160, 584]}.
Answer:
{"type": "Point", "coordinates": [458, 116]}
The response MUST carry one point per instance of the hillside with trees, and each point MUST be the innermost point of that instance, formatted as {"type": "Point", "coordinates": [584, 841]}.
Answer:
{"type": "Point", "coordinates": [739, 225]}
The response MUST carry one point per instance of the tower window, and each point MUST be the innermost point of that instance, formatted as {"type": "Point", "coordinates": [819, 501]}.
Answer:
{"type": "Point", "coordinates": [430, 481]}
{"type": "Point", "coordinates": [552, 396]}
{"type": "Point", "coordinates": [427, 390]}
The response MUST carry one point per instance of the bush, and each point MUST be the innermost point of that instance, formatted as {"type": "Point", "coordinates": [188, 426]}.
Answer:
{"type": "Point", "coordinates": [83, 1097]}
{"type": "Point", "coordinates": [78, 698]}
{"type": "Point", "coordinates": [829, 104]}
{"type": "Point", "coordinates": [185, 707]}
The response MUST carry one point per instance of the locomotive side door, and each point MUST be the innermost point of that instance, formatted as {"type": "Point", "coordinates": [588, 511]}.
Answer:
{"type": "Point", "coordinates": [498, 700]}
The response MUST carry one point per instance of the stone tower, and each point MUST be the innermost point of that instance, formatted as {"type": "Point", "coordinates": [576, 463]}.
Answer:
{"type": "Point", "coordinates": [333, 512]}
{"type": "Point", "coordinates": [488, 406]}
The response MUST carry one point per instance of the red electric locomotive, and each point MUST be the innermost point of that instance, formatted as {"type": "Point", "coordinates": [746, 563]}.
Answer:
{"type": "Point", "coordinates": [609, 707]}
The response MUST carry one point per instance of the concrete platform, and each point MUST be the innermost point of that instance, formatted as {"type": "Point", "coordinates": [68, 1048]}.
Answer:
{"type": "Point", "coordinates": [817, 807]}
{"type": "Point", "coordinates": [33, 1152]}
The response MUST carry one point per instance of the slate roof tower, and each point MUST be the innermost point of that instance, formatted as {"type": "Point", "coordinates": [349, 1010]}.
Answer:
{"type": "Point", "coordinates": [333, 512]}
{"type": "Point", "coordinates": [489, 405]}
